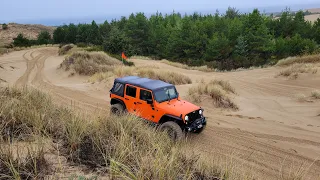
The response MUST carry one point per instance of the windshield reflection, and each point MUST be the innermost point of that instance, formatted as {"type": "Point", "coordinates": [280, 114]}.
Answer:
{"type": "Point", "coordinates": [165, 94]}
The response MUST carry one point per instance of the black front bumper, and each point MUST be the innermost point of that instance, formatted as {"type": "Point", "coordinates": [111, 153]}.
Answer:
{"type": "Point", "coordinates": [196, 125]}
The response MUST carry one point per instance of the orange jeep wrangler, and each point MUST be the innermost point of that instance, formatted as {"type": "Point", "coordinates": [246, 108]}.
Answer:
{"type": "Point", "coordinates": [157, 102]}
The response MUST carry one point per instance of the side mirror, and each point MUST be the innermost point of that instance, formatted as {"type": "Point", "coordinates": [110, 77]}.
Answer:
{"type": "Point", "coordinates": [149, 101]}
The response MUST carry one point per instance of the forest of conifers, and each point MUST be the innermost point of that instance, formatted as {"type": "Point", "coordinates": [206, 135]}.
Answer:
{"type": "Point", "coordinates": [224, 41]}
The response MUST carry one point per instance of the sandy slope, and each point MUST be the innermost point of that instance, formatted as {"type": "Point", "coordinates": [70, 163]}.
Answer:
{"type": "Point", "coordinates": [30, 31]}
{"type": "Point", "coordinates": [312, 17]}
{"type": "Point", "coordinates": [272, 133]}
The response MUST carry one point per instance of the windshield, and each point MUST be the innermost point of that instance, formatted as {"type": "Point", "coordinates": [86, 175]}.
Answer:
{"type": "Point", "coordinates": [165, 94]}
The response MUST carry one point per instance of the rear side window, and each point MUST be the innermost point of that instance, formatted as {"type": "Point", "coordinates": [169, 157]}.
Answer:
{"type": "Point", "coordinates": [131, 91]}
{"type": "Point", "coordinates": [145, 95]}
{"type": "Point", "coordinates": [118, 89]}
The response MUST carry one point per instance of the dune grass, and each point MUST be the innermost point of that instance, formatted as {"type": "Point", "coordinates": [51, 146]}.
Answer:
{"type": "Point", "coordinates": [167, 76]}
{"type": "Point", "coordinates": [315, 94]}
{"type": "Point", "coordinates": [65, 49]}
{"type": "Point", "coordinates": [217, 90]}
{"type": "Point", "coordinates": [299, 60]}
{"type": "Point", "coordinates": [110, 147]}
{"type": "Point", "coordinates": [100, 66]}
{"type": "Point", "coordinates": [294, 70]}
{"type": "Point", "coordinates": [141, 57]}
{"type": "Point", "coordinates": [301, 97]}
{"type": "Point", "coordinates": [121, 147]}
{"type": "Point", "coordinates": [298, 65]}
{"type": "Point", "coordinates": [89, 63]}
{"type": "Point", "coordinates": [184, 66]}
{"type": "Point", "coordinates": [19, 162]}
{"type": "Point", "coordinates": [100, 76]}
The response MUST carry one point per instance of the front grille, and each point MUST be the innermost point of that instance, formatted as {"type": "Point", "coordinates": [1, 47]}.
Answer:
{"type": "Point", "coordinates": [194, 115]}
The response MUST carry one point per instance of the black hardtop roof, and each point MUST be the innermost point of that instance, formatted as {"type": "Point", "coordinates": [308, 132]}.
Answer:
{"type": "Point", "coordinates": [145, 83]}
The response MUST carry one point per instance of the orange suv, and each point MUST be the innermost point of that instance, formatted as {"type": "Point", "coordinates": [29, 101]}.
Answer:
{"type": "Point", "coordinates": [157, 102]}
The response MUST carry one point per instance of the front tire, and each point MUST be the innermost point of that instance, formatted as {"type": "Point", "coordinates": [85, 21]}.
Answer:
{"type": "Point", "coordinates": [173, 129]}
{"type": "Point", "coordinates": [116, 109]}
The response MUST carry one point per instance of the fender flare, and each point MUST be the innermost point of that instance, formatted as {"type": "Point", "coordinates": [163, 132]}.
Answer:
{"type": "Point", "coordinates": [176, 118]}
{"type": "Point", "coordinates": [119, 101]}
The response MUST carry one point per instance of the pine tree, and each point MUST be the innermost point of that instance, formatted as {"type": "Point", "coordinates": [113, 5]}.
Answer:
{"type": "Point", "coordinates": [59, 35]}
{"type": "Point", "coordinates": [21, 41]}
{"type": "Point", "coordinates": [71, 33]}
{"type": "Point", "coordinates": [44, 38]}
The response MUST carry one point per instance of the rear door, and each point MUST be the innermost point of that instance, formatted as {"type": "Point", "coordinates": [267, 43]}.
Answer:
{"type": "Point", "coordinates": [130, 97]}
{"type": "Point", "coordinates": [143, 109]}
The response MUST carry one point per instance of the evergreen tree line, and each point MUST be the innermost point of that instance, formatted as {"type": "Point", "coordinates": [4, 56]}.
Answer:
{"type": "Point", "coordinates": [44, 37]}
{"type": "Point", "coordinates": [224, 41]}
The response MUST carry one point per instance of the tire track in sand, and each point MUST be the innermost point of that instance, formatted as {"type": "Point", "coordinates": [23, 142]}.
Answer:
{"type": "Point", "coordinates": [63, 95]}
{"type": "Point", "coordinates": [23, 80]}
{"type": "Point", "coordinates": [252, 151]}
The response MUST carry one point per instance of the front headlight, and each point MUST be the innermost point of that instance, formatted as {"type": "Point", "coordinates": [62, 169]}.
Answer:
{"type": "Point", "coordinates": [200, 112]}
{"type": "Point", "coordinates": [186, 118]}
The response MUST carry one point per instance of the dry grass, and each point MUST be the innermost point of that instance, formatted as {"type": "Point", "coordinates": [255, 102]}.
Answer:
{"type": "Point", "coordinates": [3, 50]}
{"type": "Point", "coordinates": [117, 147]}
{"type": "Point", "coordinates": [19, 162]}
{"type": "Point", "coordinates": [315, 94]}
{"type": "Point", "coordinates": [100, 66]}
{"type": "Point", "coordinates": [141, 57]}
{"type": "Point", "coordinates": [101, 76]}
{"type": "Point", "coordinates": [184, 66]}
{"type": "Point", "coordinates": [89, 63]}
{"type": "Point", "coordinates": [293, 70]}
{"type": "Point", "coordinates": [217, 90]}
{"type": "Point", "coordinates": [301, 97]}
{"type": "Point", "coordinates": [123, 147]}
{"type": "Point", "coordinates": [299, 59]}
{"type": "Point", "coordinates": [167, 76]}
{"type": "Point", "coordinates": [65, 49]}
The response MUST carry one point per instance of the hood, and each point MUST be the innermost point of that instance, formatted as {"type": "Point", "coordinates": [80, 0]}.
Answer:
{"type": "Point", "coordinates": [176, 107]}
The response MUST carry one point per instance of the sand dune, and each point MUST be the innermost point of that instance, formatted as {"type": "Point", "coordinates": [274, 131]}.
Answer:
{"type": "Point", "coordinates": [272, 132]}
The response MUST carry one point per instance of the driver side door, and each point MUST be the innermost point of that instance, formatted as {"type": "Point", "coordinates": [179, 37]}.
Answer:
{"type": "Point", "coordinates": [145, 110]}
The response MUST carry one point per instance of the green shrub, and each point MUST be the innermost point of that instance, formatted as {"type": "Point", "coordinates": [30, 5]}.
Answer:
{"type": "Point", "coordinates": [21, 41]}
{"type": "Point", "coordinates": [4, 26]}
{"type": "Point", "coordinates": [89, 63]}
{"type": "Point", "coordinates": [44, 37]}
{"type": "Point", "coordinates": [94, 48]}
{"type": "Point", "coordinates": [81, 45]}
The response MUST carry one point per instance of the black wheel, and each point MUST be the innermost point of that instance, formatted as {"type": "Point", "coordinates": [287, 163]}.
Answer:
{"type": "Point", "coordinates": [173, 129]}
{"type": "Point", "coordinates": [116, 109]}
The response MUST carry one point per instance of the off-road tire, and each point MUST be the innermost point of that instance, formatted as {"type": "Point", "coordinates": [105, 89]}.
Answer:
{"type": "Point", "coordinates": [116, 109]}
{"type": "Point", "coordinates": [173, 129]}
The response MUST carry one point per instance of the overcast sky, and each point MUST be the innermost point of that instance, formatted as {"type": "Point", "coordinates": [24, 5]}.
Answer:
{"type": "Point", "coordinates": [33, 10]}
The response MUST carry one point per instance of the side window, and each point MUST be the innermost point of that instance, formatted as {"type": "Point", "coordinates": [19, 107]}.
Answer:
{"type": "Point", "coordinates": [145, 95]}
{"type": "Point", "coordinates": [118, 89]}
{"type": "Point", "coordinates": [131, 91]}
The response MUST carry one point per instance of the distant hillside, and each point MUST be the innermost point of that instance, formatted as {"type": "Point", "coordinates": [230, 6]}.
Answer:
{"type": "Point", "coordinates": [314, 10]}
{"type": "Point", "coordinates": [30, 31]}
{"type": "Point", "coordinates": [312, 17]}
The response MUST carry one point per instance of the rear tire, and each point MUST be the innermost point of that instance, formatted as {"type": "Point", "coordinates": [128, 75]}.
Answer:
{"type": "Point", "coordinates": [173, 129]}
{"type": "Point", "coordinates": [116, 109]}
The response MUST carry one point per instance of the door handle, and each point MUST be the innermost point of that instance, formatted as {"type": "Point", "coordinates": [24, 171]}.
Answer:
{"type": "Point", "coordinates": [126, 98]}
{"type": "Point", "coordinates": [138, 102]}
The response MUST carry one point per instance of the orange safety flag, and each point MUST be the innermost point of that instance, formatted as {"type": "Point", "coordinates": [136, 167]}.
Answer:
{"type": "Point", "coordinates": [123, 56]}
